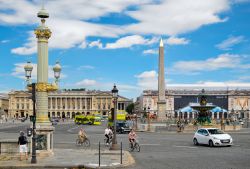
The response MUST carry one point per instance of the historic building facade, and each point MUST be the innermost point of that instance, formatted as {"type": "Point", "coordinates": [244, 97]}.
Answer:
{"type": "Point", "coordinates": [67, 103]}
{"type": "Point", "coordinates": [4, 106]}
{"type": "Point", "coordinates": [234, 101]}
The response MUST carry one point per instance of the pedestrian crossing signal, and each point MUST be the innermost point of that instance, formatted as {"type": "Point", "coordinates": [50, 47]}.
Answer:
{"type": "Point", "coordinates": [29, 132]}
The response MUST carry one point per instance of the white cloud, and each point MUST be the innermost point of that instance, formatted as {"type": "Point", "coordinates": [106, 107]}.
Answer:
{"type": "Point", "coordinates": [83, 45]}
{"type": "Point", "coordinates": [150, 51]}
{"type": "Point", "coordinates": [230, 42]}
{"type": "Point", "coordinates": [86, 67]}
{"type": "Point", "coordinates": [147, 80]}
{"type": "Point", "coordinates": [97, 43]}
{"type": "Point", "coordinates": [176, 41]}
{"type": "Point", "coordinates": [173, 17]}
{"type": "Point", "coordinates": [70, 24]}
{"type": "Point", "coordinates": [5, 41]}
{"type": "Point", "coordinates": [211, 64]}
{"type": "Point", "coordinates": [129, 41]}
{"type": "Point", "coordinates": [86, 83]}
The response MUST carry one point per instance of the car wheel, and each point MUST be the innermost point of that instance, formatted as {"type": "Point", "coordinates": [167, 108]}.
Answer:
{"type": "Point", "coordinates": [210, 143]}
{"type": "Point", "coordinates": [195, 142]}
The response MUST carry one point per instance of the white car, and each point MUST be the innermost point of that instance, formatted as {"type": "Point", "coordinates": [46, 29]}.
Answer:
{"type": "Point", "coordinates": [212, 137]}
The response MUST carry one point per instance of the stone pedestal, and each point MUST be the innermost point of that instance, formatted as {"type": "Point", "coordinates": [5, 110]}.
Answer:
{"type": "Point", "coordinates": [161, 115]}
{"type": "Point", "coordinates": [44, 140]}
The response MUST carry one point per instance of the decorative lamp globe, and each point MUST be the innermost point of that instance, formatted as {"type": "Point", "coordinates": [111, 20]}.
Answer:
{"type": "Point", "coordinates": [28, 69]}
{"type": "Point", "coordinates": [115, 91]}
{"type": "Point", "coordinates": [57, 70]}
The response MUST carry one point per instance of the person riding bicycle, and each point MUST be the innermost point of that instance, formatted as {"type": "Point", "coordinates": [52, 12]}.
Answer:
{"type": "Point", "coordinates": [108, 134]}
{"type": "Point", "coordinates": [82, 135]}
{"type": "Point", "coordinates": [132, 137]}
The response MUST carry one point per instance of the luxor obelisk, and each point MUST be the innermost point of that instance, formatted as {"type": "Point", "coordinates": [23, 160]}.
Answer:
{"type": "Point", "coordinates": [161, 104]}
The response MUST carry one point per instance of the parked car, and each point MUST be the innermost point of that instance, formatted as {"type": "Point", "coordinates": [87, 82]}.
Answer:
{"type": "Point", "coordinates": [122, 127]}
{"type": "Point", "coordinates": [212, 137]}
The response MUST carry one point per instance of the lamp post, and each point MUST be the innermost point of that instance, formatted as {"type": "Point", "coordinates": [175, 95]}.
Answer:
{"type": "Point", "coordinates": [28, 70]}
{"type": "Point", "coordinates": [148, 118]}
{"type": "Point", "coordinates": [115, 97]}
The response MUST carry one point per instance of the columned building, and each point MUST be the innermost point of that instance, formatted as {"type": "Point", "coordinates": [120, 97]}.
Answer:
{"type": "Point", "coordinates": [4, 106]}
{"type": "Point", "coordinates": [236, 102]}
{"type": "Point", "coordinates": [67, 103]}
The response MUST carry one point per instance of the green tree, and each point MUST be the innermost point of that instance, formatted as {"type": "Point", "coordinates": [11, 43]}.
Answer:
{"type": "Point", "coordinates": [130, 108]}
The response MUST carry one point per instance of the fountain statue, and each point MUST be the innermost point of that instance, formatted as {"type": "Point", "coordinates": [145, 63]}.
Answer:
{"type": "Point", "coordinates": [203, 108]}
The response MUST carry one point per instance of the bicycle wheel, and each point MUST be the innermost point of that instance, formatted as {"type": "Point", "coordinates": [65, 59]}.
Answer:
{"type": "Point", "coordinates": [86, 142]}
{"type": "Point", "coordinates": [137, 147]}
{"type": "Point", "coordinates": [78, 142]}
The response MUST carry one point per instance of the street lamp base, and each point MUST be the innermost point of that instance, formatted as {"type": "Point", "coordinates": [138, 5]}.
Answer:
{"type": "Point", "coordinates": [114, 147]}
{"type": "Point", "coordinates": [33, 160]}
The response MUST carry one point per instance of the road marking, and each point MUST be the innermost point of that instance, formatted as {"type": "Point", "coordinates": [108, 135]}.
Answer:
{"type": "Point", "coordinates": [149, 144]}
{"type": "Point", "coordinates": [70, 130]}
{"type": "Point", "coordinates": [186, 146]}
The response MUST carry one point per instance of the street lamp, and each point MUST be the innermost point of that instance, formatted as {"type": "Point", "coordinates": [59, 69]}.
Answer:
{"type": "Point", "coordinates": [148, 118]}
{"type": "Point", "coordinates": [57, 71]}
{"type": "Point", "coordinates": [115, 97]}
{"type": "Point", "coordinates": [28, 69]}
{"type": "Point", "coordinates": [32, 87]}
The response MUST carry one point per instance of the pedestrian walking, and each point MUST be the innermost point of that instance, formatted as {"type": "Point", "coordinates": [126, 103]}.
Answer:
{"type": "Point", "coordinates": [22, 142]}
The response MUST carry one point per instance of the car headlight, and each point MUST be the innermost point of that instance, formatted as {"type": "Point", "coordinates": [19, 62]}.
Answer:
{"type": "Point", "coordinates": [215, 138]}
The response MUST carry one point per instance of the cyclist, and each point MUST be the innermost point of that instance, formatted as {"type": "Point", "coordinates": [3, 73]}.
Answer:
{"type": "Point", "coordinates": [108, 134]}
{"type": "Point", "coordinates": [132, 137]}
{"type": "Point", "coordinates": [82, 135]}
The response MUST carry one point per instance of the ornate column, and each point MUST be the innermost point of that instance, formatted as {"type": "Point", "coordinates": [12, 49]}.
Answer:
{"type": "Point", "coordinates": [44, 128]}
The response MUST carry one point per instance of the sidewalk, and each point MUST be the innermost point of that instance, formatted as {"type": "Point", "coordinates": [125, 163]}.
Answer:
{"type": "Point", "coordinates": [69, 158]}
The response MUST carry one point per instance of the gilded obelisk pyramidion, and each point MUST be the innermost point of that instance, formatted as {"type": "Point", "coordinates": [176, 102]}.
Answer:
{"type": "Point", "coordinates": [161, 104]}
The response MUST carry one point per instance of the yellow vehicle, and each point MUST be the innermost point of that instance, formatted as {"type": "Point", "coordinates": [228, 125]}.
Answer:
{"type": "Point", "coordinates": [121, 116]}
{"type": "Point", "coordinates": [88, 119]}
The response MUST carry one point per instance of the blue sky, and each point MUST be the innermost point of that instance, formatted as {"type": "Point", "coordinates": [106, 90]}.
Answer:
{"type": "Point", "coordinates": [99, 43]}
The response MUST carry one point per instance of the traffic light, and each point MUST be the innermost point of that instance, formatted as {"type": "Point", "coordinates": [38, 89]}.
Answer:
{"type": "Point", "coordinates": [32, 118]}
{"type": "Point", "coordinates": [29, 132]}
{"type": "Point", "coordinates": [112, 114]}
{"type": "Point", "coordinates": [33, 92]}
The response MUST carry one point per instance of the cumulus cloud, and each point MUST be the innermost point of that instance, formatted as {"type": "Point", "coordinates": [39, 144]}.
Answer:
{"type": "Point", "coordinates": [230, 42]}
{"type": "Point", "coordinates": [211, 64]}
{"type": "Point", "coordinates": [86, 83]}
{"type": "Point", "coordinates": [4, 41]}
{"type": "Point", "coordinates": [147, 80]}
{"type": "Point", "coordinates": [84, 67]}
{"type": "Point", "coordinates": [176, 41]}
{"type": "Point", "coordinates": [173, 17]}
{"type": "Point", "coordinates": [97, 43]}
{"type": "Point", "coordinates": [150, 51]}
{"type": "Point", "coordinates": [71, 25]}
{"type": "Point", "coordinates": [129, 41]}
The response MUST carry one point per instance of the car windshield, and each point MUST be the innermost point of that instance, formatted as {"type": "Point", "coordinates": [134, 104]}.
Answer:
{"type": "Point", "coordinates": [215, 131]}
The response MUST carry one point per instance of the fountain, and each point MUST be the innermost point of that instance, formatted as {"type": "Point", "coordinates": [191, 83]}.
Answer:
{"type": "Point", "coordinates": [203, 109]}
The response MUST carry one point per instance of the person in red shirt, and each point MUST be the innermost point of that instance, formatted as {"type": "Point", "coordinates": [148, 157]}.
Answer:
{"type": "Point", "coordinates": [132, 137]}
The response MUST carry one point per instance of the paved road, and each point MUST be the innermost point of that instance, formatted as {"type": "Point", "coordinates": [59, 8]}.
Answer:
{"type": "Point", "coordinates": [159, 150]}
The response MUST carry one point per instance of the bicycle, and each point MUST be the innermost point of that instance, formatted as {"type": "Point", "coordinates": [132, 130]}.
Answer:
{"type": "Point", "coordinates": [135, 146]}
{"type": "Point", "coordinates": [85, 142]}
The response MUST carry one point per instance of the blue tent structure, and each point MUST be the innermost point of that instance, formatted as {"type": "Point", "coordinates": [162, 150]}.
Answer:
{"type": "Point", "coordinates": [218, 110]}
{"type": "Point", "coordinates": [187, 109]}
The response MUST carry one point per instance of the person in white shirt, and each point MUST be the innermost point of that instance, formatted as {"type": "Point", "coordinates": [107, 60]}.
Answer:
{"type": "Point", "coordinates": [108, 134]}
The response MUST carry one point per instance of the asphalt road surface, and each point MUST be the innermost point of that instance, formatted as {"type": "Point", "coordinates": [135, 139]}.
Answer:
{"type": "Point", "coordinates": [158, 150]}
